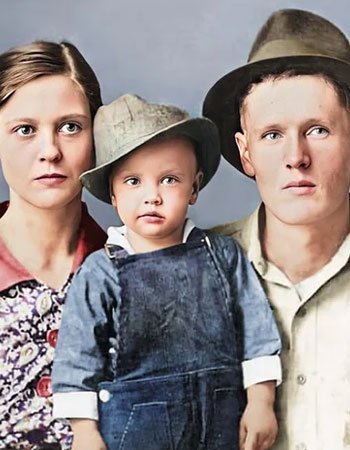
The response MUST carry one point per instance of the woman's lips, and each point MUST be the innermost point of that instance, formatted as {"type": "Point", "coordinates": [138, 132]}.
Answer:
{"type": "Point", "coordinates": [52, 179]}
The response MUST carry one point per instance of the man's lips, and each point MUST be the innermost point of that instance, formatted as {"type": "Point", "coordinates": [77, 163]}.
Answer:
{"type": "Point", "coordinates": [299, 184]}
{"type": "Point", "coordinates": [301, 187]}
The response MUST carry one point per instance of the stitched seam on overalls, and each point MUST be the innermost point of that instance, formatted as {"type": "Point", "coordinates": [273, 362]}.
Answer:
{"type": "Point", "coordinates": [127, 426]}
{"type": "Point", "coordinates": [116, 311]}
{"type": "Point", "coordinates": [126, 429]}
{"type": "Point", "coordinates": [221, 278]}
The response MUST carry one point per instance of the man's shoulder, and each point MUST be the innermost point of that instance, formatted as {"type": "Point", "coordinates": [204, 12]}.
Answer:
{"type": "Point", "coordinates": [237, 230]}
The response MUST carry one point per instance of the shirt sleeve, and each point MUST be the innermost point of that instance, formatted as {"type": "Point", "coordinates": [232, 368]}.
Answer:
{"type": "Point", "coordinates": [86, 340]}
{"type": "Point", "coordinates": [258, 334]}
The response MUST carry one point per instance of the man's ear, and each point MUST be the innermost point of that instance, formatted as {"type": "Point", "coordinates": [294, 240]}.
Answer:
{"type": "Point", "coordinates": [241, 141]}
{"type": "Point", "coordinates": [195, 187]}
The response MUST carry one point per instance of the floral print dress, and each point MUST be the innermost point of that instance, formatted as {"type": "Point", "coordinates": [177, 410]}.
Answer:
{"type": "Point", "coordinates": [30, 315]}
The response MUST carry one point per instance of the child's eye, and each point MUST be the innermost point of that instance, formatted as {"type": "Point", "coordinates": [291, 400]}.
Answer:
{"type": "Point", "coordinates": [317, 132]}
{"type": "Point", "coordinates": [24, 130]}
{"type": "Point", "coordinates": [70, 128]}
{"type": "Point", "coordinates": [169, 180]}
{"type": "Point", "coordinates": [132, 181]}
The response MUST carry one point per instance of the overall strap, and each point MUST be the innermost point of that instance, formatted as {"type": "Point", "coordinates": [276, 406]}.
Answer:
{"type": "Point", "coordinates": [115, 251]}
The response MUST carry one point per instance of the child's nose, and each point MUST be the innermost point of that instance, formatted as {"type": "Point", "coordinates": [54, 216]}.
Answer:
{"type": "Point", "coordinates": [153, 197]}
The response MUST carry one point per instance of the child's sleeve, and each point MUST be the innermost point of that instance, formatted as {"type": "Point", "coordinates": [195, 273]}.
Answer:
{"type": "Point", "coordinates": [85, 337]}
{"type": "Point", "coordinates": [258, 332]}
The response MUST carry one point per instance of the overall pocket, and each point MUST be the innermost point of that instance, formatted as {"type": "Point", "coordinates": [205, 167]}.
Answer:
{"type": "Point", "coordinates": [224, 425]}
{"type": "Point", "coordinates": [143, 426]}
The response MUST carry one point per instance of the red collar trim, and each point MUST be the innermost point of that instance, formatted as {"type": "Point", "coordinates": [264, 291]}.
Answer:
{"type": "Point", "coordinates": [91, 238]}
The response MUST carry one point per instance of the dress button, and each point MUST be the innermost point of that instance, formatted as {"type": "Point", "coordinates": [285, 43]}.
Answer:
{"type": "Point", "coordinates": [43, 386]}
{"type": "Point", "coordinates": [301, 379]}
{"type": "Point", "coordinates": [51, 337]}
{"type": "Point", "coordinates": [104, 395]}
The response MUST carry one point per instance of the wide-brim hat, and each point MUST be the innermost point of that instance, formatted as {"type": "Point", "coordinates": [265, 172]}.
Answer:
{"type": "Point", "coordinates": [291, 39]}
{"type": "Point", "coordinates": [129, 122]}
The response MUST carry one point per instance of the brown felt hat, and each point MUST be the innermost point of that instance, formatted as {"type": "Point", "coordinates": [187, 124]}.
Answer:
{"type": "Point", "coordinates": [130, 121]}
{"type": "Point", "coordinates": [291, 39]}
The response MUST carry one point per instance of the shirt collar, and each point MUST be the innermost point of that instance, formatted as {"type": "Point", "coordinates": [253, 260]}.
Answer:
{"type": "Point", "coordinates": [269, 272]}
{"type": "Point", "coordinates": [117, 236]}
{"type": "Point", "coordinates": [91, 238]}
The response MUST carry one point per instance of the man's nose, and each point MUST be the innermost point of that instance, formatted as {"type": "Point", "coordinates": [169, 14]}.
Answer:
{"type": "Point", "coordinates": [297, 155]}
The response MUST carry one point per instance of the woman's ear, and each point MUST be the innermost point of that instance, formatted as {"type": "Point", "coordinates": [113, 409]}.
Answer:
{"type": "Point", "coordinates": [241, 141]}
{"type": "Point", "coordinates": [195, 187]}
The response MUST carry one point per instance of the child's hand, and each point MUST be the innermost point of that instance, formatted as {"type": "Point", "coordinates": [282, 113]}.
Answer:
{"type": "Point", "coordinates": [86, 435]}
{"type": "Point", "coordinates": [258, 427]}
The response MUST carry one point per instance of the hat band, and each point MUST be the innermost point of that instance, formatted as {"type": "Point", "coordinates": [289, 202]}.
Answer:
{"type": "Point", "coordinates": [288, 47]}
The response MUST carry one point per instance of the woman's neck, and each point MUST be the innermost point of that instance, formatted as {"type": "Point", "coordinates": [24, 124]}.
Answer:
{"type": "Point", "coordinates": [302, 250]}
{"type": "Point", "coordinates": [42, 240]}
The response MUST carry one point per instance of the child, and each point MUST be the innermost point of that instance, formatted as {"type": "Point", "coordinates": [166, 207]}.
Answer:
{"type": "Point", "coordinates": [156, 326]}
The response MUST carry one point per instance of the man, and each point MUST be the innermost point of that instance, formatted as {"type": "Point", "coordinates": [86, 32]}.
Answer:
{"type": "Point", "coordinates": [284, 120]}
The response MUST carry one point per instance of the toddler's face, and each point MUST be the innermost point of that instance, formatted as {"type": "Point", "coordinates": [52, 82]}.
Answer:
{"type": "Point", "coordinates": [151, 190]}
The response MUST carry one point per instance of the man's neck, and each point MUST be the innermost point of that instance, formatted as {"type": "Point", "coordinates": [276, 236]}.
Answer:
{"type": "Point", "coordinates": [302, 250]}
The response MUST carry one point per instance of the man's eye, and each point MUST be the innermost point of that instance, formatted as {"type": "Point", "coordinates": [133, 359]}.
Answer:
{"type": "Point", "coordinates": [70, 128]}
{"type": "Point", "coordinates": [272, 136]}
{"type": "Point", "coordinates": [169, 180]}
{"type": "Point", "coordinates": [318, 132]}
{"type": "Point", "coordinates": [24, 130]}
{"type": "Point", "coordinates": [132, 181]}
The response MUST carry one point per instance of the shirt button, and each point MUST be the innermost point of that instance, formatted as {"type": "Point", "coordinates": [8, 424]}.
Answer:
{"type": "Point", "coordinates": [51, 337]}
{"type": "Point", "coordinates": [301, 446]}
{"type": "Point", "coordinates": [104, 395]}
{"type": "Point", "coordinates": [43, 386]}
{"type": "Point", "coordinates": [301, 379]}
{"type": "Point", "coordinates": [302, 312]}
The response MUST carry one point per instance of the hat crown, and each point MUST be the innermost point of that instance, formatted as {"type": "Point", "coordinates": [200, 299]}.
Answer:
{"type": "Point", "coordinates": [128, 120]}
{"type": "Point", "coordinates": [293, 32]}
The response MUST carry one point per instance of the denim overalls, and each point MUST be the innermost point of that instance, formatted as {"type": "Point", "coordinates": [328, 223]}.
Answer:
{"type": "Point", "coordinates": [177, 373]}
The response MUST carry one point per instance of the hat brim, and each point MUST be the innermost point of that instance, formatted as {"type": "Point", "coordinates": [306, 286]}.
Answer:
{"type": "Point", "coordinates": [201, 130]}
{"type": "Point", "coordinates": [221, 103]}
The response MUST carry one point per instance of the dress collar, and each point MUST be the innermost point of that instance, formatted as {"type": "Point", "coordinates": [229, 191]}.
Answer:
{"type": "Point", "coordinates": [91, 238]}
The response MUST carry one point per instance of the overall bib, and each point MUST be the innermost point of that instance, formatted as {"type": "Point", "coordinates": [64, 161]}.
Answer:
{"type": "Point", "coordinates": [177, 374]}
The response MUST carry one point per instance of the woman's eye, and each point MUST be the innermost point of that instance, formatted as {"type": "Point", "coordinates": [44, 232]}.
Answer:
{"type": "Point", "coordinates": [318, 132]}
{"type": "Point", "coordinates": [70, 128]}
{"type": "Point", "coordinates": [272, 136]}
{"type": "Point", "coordinates": [169, 180]}
{"type": "Point", "coordinates": [24, 130]}
{"type": "Point", "coordinates": [132, 181]}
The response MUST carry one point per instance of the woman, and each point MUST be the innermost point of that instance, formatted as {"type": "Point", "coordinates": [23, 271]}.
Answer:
{"type": "Point", "coordinates": [48, 97]}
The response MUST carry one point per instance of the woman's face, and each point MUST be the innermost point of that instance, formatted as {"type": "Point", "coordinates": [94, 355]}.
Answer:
{"type": "Point", "coordinates": [46, 142]}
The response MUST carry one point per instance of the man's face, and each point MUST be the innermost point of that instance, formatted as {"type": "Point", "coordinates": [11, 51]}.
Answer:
{"type": "Point", "coordinates": [296, 143]}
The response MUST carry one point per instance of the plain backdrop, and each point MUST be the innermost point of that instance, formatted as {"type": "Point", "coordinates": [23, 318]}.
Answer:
{"type": "Point", "coordinates": [169, 51]}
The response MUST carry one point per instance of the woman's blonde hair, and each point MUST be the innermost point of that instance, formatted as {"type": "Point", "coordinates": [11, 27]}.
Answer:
{"type": "Point", "coordinates": [22, 64]}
